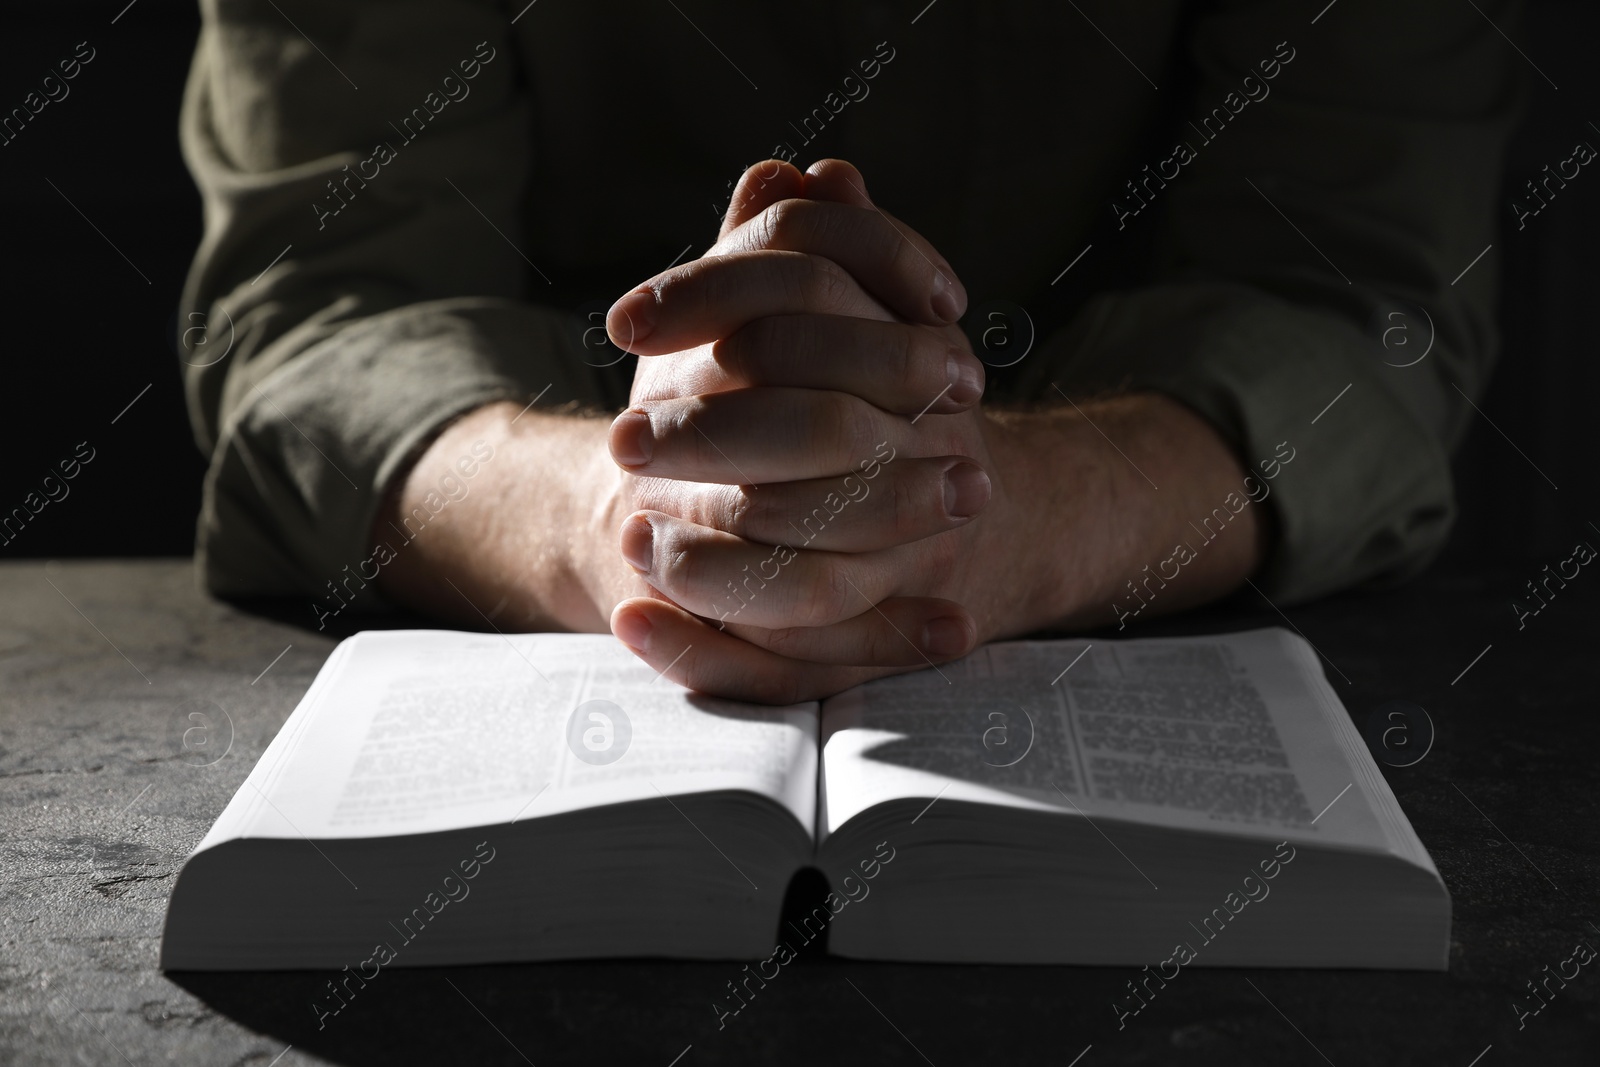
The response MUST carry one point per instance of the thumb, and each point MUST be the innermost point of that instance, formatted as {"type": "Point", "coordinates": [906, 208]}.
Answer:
{"type": "Point", "coordinates": [837, 181]}
{"type": "Point", "coordinates": [759, 188]}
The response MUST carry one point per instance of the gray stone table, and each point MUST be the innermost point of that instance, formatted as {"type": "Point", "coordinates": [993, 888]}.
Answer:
{"type": "Point", "coordinates": [103, 666]}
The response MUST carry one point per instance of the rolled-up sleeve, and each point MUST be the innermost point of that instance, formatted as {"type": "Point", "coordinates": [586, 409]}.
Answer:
{"type": "Point", "coordinates": [362, 278]}
{"type": "Point", "coordinates": [1311, 249]}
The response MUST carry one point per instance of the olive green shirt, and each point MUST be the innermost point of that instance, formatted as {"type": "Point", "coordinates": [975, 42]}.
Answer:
{"type": "Point", "coordinates": [412, 208]}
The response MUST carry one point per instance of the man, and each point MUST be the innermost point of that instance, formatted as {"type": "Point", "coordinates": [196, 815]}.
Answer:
{"type": "Point", "coordinates": [804, 490]}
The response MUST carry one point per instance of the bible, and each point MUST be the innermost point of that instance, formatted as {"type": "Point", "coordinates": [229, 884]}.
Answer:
{"type": "Point", "coordinates": [442, 797]}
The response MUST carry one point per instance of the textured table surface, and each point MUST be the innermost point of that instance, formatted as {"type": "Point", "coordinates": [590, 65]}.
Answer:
{"type": "Point", "coordinates": [102, 665]}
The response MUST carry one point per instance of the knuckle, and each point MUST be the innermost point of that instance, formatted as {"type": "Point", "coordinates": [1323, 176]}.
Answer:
{"type": "Point", "coordinates": [780, 221]}
{"type": "Point", "coordinates": [675, 566]}
{"type": "Point", "coordinates": [826, 286]}
{"type": "Point", "coordinates": [925, 374]}
{"type": "Point", "coordinates": [677, 500]}
{"type": "Point", "coordinates": [942, 553]}
{"type": "Point", "coordinates": [682, 283]}
{"type": "Point", "coordinates": [827, 598]}
{"type": "Point", "coordinates": [667, 428]}
{"type": "Point", "coordinates": [741, 515]}
{"type": "Point", "coordinates": [758, 352]}
{"type": "Point", "coordinates": [696, 447]}
{"type": "Point", "coordinates": [844, 426]}
{"type": "Point", "coordinates": [905, 256]}
{"type": "Point", "coordinates": [676, 563]}
{"type": "Point", "coordinates": [906, 504]}
{"type": "Point", "coordinates": [733, 352]}
{"type": "Point", "coordinates": [910, 262]}
{"type": "Point", "coordinates": [902, 360]}
{"type": "Point", "coordinates": [714, 283]}
{"type": "Point", "coordinates": [648, 494]}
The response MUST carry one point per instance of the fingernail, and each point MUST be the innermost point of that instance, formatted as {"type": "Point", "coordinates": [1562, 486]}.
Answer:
{"type": "Point", "coordinates": [948, 298]}
{"type": "Point", "coordinates": [965, 378]}
{"type": "Point", "coordinates": [638, 544]}
{"type": "Point", "coordinates": [966, 490]}
{"type": "Point", "coordinates": [632, 440]}
{"type": "Point", "coordinates": [945, 637]}
{"type": "Point", "coordinates": [631, 319]}
{"type": "Point", "coordinates": [633, 630]}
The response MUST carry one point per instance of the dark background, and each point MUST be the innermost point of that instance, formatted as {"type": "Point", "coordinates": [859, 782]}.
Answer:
{"type": "Point", "coordinates": [88, 331]}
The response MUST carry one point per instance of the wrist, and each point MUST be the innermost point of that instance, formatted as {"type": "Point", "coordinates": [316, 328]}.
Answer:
{"type": "Point", "coordinates": [1053, 533]}
{"type": "Point", "coordinates": [1120, 505]}
{"type": "Point", "coordinates": [501, 547]}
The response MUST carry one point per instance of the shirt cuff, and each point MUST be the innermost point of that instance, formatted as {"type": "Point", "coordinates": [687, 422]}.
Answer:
{"type": "Point", "coordinates": [1367, 494]}
{"type": "Point", "coordinates": [300, 469]}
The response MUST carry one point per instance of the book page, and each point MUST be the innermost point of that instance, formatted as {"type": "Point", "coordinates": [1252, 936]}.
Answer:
{"type": "Point", "coordinates": [1228, 733]}
{"type": "Point", "coordinates": [421, 730]}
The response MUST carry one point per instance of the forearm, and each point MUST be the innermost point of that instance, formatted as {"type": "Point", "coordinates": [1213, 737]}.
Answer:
{"type": "Point", "coordinates": [1106, 494]}
{"type": "Point", "coordinates": [514, 548]}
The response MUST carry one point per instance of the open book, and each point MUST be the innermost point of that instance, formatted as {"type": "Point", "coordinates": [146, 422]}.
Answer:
{"type": "Point", "coordinates": [446, 797]}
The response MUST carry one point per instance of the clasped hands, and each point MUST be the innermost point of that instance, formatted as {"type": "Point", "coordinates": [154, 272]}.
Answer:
{"type": "Point", "coordinates": [811, 479]}
{"type": "Point", "coordinates": [804, 487]}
